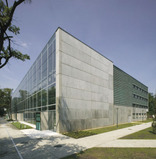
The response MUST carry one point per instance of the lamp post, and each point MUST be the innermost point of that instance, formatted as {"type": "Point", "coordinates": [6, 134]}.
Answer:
{"type": "Point", "coordinates": [117, 117]}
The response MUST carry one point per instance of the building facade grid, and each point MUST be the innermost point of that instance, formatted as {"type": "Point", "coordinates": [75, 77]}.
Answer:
{"type": "Point", "coordinates": [36, 92]}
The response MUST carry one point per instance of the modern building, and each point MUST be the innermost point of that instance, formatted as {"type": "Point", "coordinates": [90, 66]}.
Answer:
{"type": "Point", "coordinates": [72, 87]}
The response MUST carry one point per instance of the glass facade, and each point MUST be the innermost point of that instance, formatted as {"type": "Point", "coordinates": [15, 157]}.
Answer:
{"type": "Point", "coordinates": [36, 92]}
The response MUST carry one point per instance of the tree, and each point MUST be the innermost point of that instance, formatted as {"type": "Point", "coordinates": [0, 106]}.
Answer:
{"type": "Point", "coordinates": [5, 101]}
{"type": "Point", "coordinates": [152, 104]}
{"type": "Point", "coordinates": [6, 28]}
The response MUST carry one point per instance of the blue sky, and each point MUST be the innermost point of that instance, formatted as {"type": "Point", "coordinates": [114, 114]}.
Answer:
{"type": "Point", "coordinates": [122, 30]}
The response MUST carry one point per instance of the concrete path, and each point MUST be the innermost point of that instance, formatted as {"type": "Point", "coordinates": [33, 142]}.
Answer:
{"type": "Point", "coordinates": [108, 139]}
{"type": "Point", "coordinates": [111, 138]}
{"type": "Point", "coordinates": [130, 143]}
{"type": "Point", "coordinates": [34, 144]}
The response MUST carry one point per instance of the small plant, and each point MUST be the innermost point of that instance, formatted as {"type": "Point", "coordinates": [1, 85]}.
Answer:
{"type": "Point", "coordinates": [10, 120]}
{"type": "Point", "coordinates": [21, 126]}
{"type": "Point", "coordinates": [154, 124]}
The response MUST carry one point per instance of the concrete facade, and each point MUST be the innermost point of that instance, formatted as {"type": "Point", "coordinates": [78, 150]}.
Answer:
{"type": "Point", "coordinates": [14, 116]}
{"type": "Point", "coordinates": [84, 86]}
{"type": "Point", "coordinates": [20, 116]}
{"type": "Point", "coordinates": [125, 114]}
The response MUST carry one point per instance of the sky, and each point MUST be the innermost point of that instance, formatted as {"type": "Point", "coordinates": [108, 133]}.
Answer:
{"type": "Point", "coordinates": [124, 31]}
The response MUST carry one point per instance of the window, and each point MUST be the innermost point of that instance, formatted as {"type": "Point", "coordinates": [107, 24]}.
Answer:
{"type": "Point", "coordinates": [51, 94]}
{"type": "Point", "coordinates": [39, 98]}
{"type": "Point", "coordinates": [52, 107]}
{"type": "Point", "coordinates": [44, 97]}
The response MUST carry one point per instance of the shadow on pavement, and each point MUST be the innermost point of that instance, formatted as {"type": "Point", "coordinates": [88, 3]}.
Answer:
{"type": "Point", "coordinates": [41, 148]}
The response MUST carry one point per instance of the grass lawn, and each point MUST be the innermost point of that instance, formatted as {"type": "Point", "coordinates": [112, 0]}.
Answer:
{"type": "Point", "coordinates": [84, 133]}
{"type": "Point", "coordinates": [115, 153]}
{"type": "Point", "coordinates": [143, 134]}
{"type": "Point", "coordinates": [21, 126]}
{"type": "Point", "coordinates": [148, 120]}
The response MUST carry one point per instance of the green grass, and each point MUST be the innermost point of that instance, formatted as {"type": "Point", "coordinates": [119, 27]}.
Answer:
{"type": "Point", "coordinates": [147, 121]}
{"type": "Point", "coordinates": [85, 133]}
{"type": "Point", "coordinates": [143, 134]}
{"type": "Point", "coordinates": [115, 153]}
{"type": "Point", "coordinates": [21, 126]}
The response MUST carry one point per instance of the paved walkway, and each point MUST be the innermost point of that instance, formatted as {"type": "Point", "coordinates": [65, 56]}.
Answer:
{"type": "Point", "coordinates": [111, 139]}
{"type": "Point", "coordinates": [34, 144]}
{"type": "Point", "coordinates": [108, 139]}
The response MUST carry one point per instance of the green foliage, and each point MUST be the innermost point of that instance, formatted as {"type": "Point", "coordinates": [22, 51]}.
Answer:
{"type": "Point", "coordinates": [5, 100]}
{"type": "Point", "coordinates": [10, 120]}
{"type": "Point", "coordinates": [6, 27]}
{"type": "Point", "coordinates": [14, 29]}
{"type": "Point", "coordinates": [154, 125]}
{"type": "Point", "coordinates": [2, 112]}
{"type": "Point", "coordinates": [152, 104]}
{"type": "Point", "coordinates": [18, 125]}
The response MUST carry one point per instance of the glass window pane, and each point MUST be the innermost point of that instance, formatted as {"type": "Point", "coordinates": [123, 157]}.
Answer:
{"type": "Point", "coordinates": [52, 107]}
{"type": "Point", "coordinates": [44, 83]}
{"type": "Point", "coordinates": [39, 99]}
{"type": "Point", "coordinates": [34, 100]}
{"type": "Point", "coordinates": [50, 65]}
{"type": "Point", "coordinates": [44, 57]}
{"type": "Point", "coordinates": [49, 50]}
{"type": "Point", "coordinates": [51, 94]}
{"type": "Point", "coordinates": [44, 97]}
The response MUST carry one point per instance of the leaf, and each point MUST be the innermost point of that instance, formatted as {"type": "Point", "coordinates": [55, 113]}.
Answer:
{"type": "Point", "coordinates": [14, 29]}
{"type": "Point", "coordinates": [18, 55]}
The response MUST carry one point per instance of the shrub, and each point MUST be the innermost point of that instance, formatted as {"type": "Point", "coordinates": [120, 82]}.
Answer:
{"type": "Point", "coordinates": [10, 120]}
{"type": "Point", "coordinates": [154, 125]}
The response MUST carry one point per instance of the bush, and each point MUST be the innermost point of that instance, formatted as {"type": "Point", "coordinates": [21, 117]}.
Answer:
{"type": "Point", "coordinates": [10, 120]}
{"type": "Point", "coordinates": [154, 125]}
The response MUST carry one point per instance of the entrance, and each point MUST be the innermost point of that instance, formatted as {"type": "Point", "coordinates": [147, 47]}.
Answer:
{"type": "Point", "coordinates": [38, 121]}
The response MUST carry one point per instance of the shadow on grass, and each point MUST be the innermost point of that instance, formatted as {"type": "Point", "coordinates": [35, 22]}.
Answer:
{"type": "Point", "coordinates": [151, 132]}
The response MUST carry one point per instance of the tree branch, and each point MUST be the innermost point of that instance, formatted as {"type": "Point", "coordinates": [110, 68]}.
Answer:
{"type": "Point", "coordinates": [12, 12]}
{"type": "Point", "coordinates": [6, 60]}
{"type": "Point", "coordinates": [10, 52]}
{"type": "Point", "coordinates": [7, 3]}
{"type": "Point", "coordinates": [6, 24]}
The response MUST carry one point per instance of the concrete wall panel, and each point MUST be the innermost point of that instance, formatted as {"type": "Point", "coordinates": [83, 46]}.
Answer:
{"type": "Point", "coordinates": [44, 121]}
{"type": "Point", "coordinates": [86, 83]}
{"type": "Point", "coordinates": [14, 116]}
{"type": "Point", "coordinates": [20, 116]}
{"type": "Point", "coordinates": [125, 114]}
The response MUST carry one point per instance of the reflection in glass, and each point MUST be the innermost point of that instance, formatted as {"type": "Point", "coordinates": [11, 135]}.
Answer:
{"type": "Point", "coordinates": [44, 97]}
{"type": "Point", "coordinates": [51, 94]}
{"type": "Point", "coordinates": [36, 92]}
{"type": "Point", "coordinates": [39, 99]}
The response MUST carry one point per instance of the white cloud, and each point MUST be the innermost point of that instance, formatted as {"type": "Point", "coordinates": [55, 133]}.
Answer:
{"type": "Point", "coordinates": [24, 45]}
{"type": "Point", "coordinates": [20, 43]}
